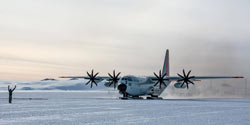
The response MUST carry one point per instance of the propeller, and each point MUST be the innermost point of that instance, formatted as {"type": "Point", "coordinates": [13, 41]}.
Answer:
{"type": "Point", "coordinates": [186, 78]}
{"type": "Point", "coordinates": [114, 78]}
{"type": "Point", "coordinates": [160, 79]}
{"type": "Point", "coordinates": [92, 78]}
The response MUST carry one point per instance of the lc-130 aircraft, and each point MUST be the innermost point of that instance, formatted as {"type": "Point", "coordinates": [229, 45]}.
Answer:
{"type": "Point", "coordinates": [132, 87]}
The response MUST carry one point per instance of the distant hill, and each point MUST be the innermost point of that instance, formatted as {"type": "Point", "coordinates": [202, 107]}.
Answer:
{"type": "Point", "coordinates": [51, 84]}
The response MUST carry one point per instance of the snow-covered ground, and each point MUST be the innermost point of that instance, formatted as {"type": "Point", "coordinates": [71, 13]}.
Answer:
{"type": "Point", "coordinates": [104, 107]}
{"type": "Point", "coordinates": [71, 102]}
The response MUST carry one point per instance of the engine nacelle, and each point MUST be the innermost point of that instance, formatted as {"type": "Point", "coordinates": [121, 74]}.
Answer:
{"type": "Point", "coordinates": [178, 85]}
{"type": "Point", "coordinates": [109, 84]}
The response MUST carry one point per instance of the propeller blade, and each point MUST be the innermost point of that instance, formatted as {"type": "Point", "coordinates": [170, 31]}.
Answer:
{"type": "Point", "coordinates": [182, 84]}
{"type": "Point", "coordinates": [88, 74]}
{"type": "Point", "coordinates": [164, 83]}
{"type": "Point", "coordinates": [188, 73]}
{"type": "Point", "coordinates": [118, 74]}
{"type": "Point", "coordinates": [191, 82]}
{"type": "Point", "coordinates": [95, 83]}
{"type": "Point", "coordinates": [164, 75]}
{"type": "Point", "coordinates": [180, 75]}
{"type": "Point", "coordinates": [180, 80]}
{"type": "Point", "coordinates": [95, 75]}
{"type": "Point", "coordinates": [184, 73]}
{"type": "Point", "coordinates": [191, 77]}
{"type": "Point", "coordinates": [114, 85]}
{"type": "Point", "coordinates": [92, 78]}
{"type": "Point", "coordinates": [110, 75]}
{"type": "Point", "coordinates": [87, 82]}
{"type": "Point", "coordinates": [114, 78]}
{"type": "Point", "coordinates": [156, 76]}
{"type": "Point", "coordinates": [113, 73]}
{"type": "Point", "coordinates": [156, 83]}
{"type": "Point", "coordinates": [187, 86]}
{"type": "Point", "coordinates": [185, 78]}
{"type": "Point", "coordinates": [160, 79]}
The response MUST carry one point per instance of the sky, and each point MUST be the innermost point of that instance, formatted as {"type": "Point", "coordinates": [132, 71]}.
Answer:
{"type": "Point", "coordinates": [51, 38]}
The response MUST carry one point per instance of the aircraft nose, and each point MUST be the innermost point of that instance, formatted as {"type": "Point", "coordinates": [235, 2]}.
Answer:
{"type": "Point", "coordinates": [122, 88]}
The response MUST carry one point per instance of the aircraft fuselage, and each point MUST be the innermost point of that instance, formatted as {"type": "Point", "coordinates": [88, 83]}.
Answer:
{"type": "Point", "coordinates": [140, 86]}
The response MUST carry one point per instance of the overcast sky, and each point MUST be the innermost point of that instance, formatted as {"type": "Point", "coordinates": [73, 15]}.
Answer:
{"type": "Point", "coordinates": [51, 38]}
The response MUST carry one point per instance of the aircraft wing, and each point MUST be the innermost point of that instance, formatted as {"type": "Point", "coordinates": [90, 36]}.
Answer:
{"type": "Point", "coordinates": [93, 78]}
{"type": "Point", "coordinates": [84, 77]}
{"type": "Point", "coordinates": [198, 78]}
{"type": "Point", "coordinates": [175, 78]}
{"type": "Point", "coordinates": [73, 77]}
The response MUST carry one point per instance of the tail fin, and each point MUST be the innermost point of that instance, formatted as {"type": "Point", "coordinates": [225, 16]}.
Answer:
{"type": "Point", "coordinates": [166, 64]}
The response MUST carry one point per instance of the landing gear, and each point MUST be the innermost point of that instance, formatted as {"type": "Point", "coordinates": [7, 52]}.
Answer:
{"type": "Point", "coordinates": [136, 97]}
{"type": "Point", "coordinates": [125, 95]}
{"type": "Point", "coordinates": [131, 98]}
{"type": "Point", "coordinates": [125, 98]}
{"type": "Point", "coordinates": [154, 97]}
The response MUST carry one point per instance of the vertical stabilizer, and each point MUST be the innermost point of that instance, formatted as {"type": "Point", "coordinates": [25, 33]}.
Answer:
{"type": "Point", "coordinates": [166, 64]}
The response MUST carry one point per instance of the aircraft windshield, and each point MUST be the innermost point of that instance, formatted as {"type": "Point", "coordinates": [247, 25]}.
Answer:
{"type": "Point", "coordinates": [127, 78]}
{"type": "Point", "coordinates": [130, 78]}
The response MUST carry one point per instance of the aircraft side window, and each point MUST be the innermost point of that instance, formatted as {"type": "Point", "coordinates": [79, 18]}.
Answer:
{"type": "Point", "coordinates": [129, 79]}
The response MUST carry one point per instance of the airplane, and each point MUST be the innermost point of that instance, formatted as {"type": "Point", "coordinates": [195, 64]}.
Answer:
{"type": "Point", "coordinates": [133, 87]}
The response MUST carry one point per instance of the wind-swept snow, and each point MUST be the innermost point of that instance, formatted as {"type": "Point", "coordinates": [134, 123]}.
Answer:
{"type": "Point", "coordinates": [99, 107]}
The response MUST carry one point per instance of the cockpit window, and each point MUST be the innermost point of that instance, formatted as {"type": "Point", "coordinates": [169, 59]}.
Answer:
{"type": "Point", "coordinates": [124, 78]}
{"type": "Point", "coordinates": [127, 78]}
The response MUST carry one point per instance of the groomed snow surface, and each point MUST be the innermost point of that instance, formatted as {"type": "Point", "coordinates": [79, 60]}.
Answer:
{"type": "Point", "coordinates": [104, 107]}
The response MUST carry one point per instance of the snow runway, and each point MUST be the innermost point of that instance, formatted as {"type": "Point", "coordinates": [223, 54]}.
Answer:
{"type": "Point", "coordinates": [102, 107]}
